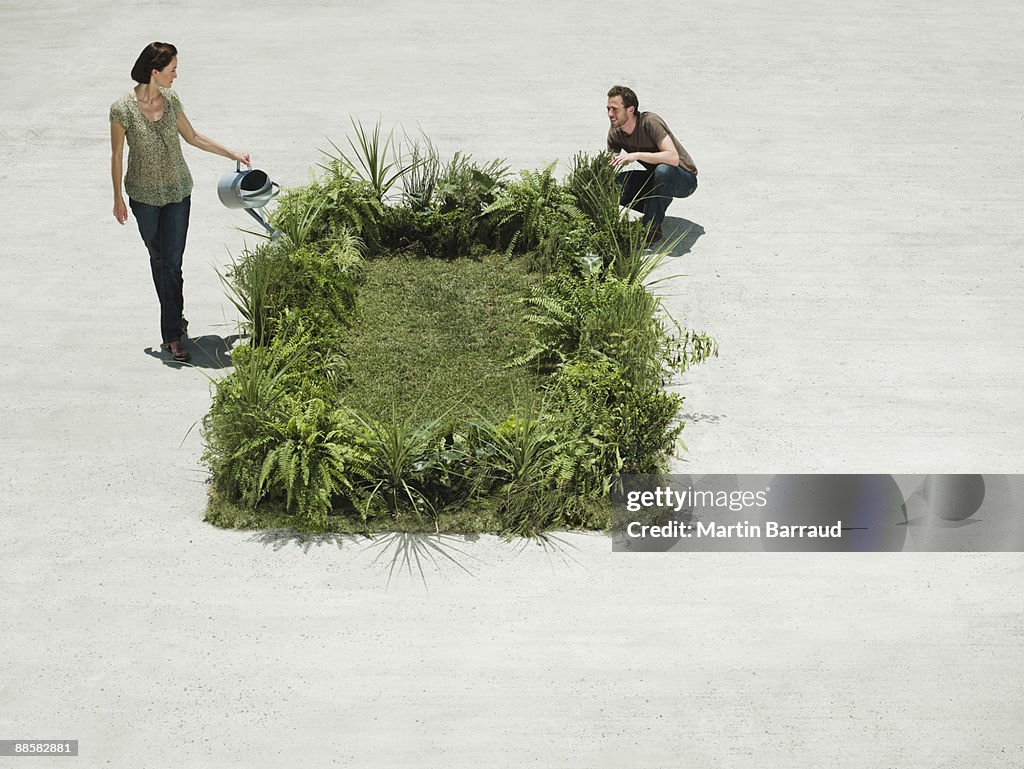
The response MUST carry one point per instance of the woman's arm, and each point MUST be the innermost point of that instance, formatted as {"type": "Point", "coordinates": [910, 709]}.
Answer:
{"type": "Point", "coordinates": [205, 143]}
{"type": "Point", "coordinates": [116, 166]}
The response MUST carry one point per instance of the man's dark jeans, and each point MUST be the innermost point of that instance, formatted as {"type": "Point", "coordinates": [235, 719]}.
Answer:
{"type": "Point", "coordinates": [650, 192]}
{"type": "Point", "coordinates": [163, 230]}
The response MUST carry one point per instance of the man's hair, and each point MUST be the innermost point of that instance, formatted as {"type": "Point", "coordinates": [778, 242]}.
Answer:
{"type": "Point", "coordinates": [628, 96]}
{"type": "Point", "coordinates": [154, 56]}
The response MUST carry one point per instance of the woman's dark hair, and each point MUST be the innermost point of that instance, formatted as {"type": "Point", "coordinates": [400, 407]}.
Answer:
{"type": "Point", "coordinates": [154, 56]}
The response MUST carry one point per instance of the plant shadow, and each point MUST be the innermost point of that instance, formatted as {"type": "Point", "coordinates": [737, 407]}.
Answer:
{"type": "Point", "coordinates": [414, 554]}
{"type": "Point", "coordinates": [697, 416]}
{"type": "Point", "coordinates": [209, 352]}
{"type": "Point", "coordinates": [404, 550]}
{"type": "Point", "coordinates": [682, 234]}
{"type": "Point", "coordinates": [279, 539]}
{"type": "Point", "coordinates": [557, 548]}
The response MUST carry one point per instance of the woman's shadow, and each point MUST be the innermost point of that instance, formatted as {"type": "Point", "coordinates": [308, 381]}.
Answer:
{"type": "Point", "coordinates": [209, 352]}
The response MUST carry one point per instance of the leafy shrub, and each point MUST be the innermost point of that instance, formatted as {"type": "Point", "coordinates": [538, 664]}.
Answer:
{"type": "Point", "coordinates": [628, 426]}
{"type": "Point", "coordinates": [466, 186]}
{"type": "Point", "coordinates": [249, 399]}
{"type": "Point", "coordinates": [324, 209]}
{"type": "Point", "coordinates": [527, 210]}
{"type": "Point", "coordinates": [610, 319]}
{"type": "Point", "coordinates": [296, 428]}
{"type": "Point", "coordinates": [323, 280]}
{"type": "Point", "coordinates": [310, 458]}
{"type": "Point", "coordinates": [318, 280]}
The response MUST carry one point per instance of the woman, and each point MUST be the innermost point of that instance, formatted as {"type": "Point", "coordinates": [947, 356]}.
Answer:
{"type": "Point", "coordinates": [158, 181]}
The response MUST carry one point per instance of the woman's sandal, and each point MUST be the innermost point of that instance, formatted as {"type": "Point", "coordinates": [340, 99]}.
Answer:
{"type": "Point", "coordinates": [178, 352]}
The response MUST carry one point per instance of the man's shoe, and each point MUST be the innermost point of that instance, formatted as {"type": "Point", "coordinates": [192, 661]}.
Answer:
{"type": "Point", "coordinates": [653, 236]}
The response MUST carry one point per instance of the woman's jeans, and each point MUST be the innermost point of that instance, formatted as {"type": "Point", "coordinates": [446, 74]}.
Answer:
{"type": "Point", "coordinates": [650, 192]}
{"type": "Point", "coordinates": [163, 230]}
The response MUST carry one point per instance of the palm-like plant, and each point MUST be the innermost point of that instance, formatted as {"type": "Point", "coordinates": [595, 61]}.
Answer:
{"type": "Point", "coordinates": [377, 161]}
{"type": "Point", "coordinates": [398, 458]}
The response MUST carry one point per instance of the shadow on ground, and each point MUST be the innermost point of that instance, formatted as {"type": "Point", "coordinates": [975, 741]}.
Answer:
{"type": "Point", "coordinates": [414, 554]}
{"type": "Point", "coordinates": [700, 417]}
{"type": "Point", "coordinates": [211, 352]}
{"type": "Point", "coordinates": [680, 235]}
{"type": "Point", "coordinates": [417, 555]}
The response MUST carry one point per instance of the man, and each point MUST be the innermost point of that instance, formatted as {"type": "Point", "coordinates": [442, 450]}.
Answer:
{"type": "Point", "coordinates": [668, 172]}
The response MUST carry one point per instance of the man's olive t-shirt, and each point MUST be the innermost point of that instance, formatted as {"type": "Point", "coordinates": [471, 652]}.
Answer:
{"type": "Point", "coordinates": [646, 137]}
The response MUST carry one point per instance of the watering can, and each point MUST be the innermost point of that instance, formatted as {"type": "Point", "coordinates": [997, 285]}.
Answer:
{"type": "Point", "coordinates": [251, 190]}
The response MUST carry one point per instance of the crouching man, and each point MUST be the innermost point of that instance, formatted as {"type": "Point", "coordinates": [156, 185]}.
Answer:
{"type": "Point", "coordinates": [668, 172]}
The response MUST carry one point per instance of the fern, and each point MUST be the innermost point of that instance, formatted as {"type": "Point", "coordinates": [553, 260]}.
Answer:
{"type": "Point", "coordinates": [311, 462]}
{"type": "Point", "coordinates": [529, 210]}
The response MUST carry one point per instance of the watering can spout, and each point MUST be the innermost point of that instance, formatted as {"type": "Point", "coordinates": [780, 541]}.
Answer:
{"type": "Point", "coordinates": [263, 222]}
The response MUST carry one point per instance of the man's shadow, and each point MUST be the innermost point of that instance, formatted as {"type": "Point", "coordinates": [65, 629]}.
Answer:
{"type": "Point", "coordinates": [679, 235]}
{"type": "Point", "coordinates": [210, 352]}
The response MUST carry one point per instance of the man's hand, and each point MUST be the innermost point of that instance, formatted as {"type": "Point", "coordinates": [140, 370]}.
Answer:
{"type": "Point", "coordinates": [617, 161]}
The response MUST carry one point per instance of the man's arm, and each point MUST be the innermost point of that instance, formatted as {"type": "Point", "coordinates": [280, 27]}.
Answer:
{"type": "Point", "coordinates": [666, 154]}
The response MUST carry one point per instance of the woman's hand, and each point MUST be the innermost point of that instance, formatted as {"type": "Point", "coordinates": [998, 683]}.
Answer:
{"type": "Point", "coordinates": [120, 211]}
{"type": "Point", "coordinates": [242, 157]}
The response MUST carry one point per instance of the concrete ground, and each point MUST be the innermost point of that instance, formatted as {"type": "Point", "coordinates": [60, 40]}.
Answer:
{"type": "Point", "coordinates": [861, 265]}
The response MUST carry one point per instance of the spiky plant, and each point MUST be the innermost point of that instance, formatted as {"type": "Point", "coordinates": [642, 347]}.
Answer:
{"type": "Point", "coordinates": [591, 181]}
{"type": "Point", "coordinates": [250, 283]}
{"type": "Point", "coordinates": [399, 458]}
{"type": "Point", "coordinates": [420, 178]}
{"type": "Point", "coordinates": [376, 160]}
{"type": "Point", "coordinates": [528, 461]}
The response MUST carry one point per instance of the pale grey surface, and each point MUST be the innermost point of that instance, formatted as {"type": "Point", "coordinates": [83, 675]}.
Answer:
{"type": "Point", "coordinates": [861, 194]}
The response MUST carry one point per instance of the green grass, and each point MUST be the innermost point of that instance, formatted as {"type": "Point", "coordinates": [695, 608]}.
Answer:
{"type": "Point", "coordinates": [433, 337]}
{"type": "Point", "coordinates": [478, 516]}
